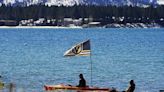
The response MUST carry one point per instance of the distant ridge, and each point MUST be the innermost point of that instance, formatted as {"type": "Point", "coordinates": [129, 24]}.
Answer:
{"type": "Point", "coordinates": [140, 3]}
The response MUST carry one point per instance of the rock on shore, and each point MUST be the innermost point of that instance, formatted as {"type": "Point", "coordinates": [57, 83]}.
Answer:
{"type": "Point", "coordinates": [133, 25]}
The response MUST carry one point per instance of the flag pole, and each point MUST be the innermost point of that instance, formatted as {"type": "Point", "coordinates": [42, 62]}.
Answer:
{"type": "Point", "coordinates": [91, 69]}
{"type": "Point", "coordinates": [81, 50]}
{"type": "Point", "coordinates": [91, 64]}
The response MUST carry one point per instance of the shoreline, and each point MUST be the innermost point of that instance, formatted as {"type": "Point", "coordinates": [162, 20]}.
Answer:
{"type": "Point", "coordinates": [42, 27]}
{"type": "Point", "coordinates": [114, 25]}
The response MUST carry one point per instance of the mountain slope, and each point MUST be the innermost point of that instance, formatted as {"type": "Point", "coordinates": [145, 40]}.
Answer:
{"type": "Point", "coordinates": [160, 2]}
{"type": "Point", "coordinates": [82, 2]}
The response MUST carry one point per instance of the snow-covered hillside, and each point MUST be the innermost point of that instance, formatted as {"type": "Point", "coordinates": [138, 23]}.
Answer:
{"type": "Point", "coordinates": [83, 2]}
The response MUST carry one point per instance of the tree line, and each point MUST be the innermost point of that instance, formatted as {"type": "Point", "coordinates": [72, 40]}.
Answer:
{"type": "Point", "coordinates": [80, 11]}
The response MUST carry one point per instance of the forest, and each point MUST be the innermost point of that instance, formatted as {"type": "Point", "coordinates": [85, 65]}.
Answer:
{"type": "Point", "coordinates": [98, 13]}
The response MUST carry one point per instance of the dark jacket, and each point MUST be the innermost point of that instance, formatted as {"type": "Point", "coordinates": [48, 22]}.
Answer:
{"type": "Point", "coordinates": [131, 88]}
{"type": "Point", "coordinates": [82, 83]}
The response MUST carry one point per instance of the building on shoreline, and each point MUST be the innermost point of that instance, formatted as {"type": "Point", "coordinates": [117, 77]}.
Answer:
{"type": "Point", "coordinates": [113, 22]}
{"type": "Point", "coordinates": [8, 23]}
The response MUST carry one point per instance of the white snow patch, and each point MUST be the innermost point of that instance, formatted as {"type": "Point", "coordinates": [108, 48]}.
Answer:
{"type": "Point", "coordinates": [6, 2]}
{"type": "Point", "coordinates": [161, 2]}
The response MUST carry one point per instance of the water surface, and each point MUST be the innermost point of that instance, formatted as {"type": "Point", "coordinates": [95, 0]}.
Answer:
{"type": "Point", "coordinates": [31, 58]}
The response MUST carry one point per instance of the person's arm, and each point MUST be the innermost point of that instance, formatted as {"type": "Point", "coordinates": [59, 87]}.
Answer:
{"type": "Point", "coordinates": [79, 84]}
{"type": "Point", "coordinates": [128, 89]}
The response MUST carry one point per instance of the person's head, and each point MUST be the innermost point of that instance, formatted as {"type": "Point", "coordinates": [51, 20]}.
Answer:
{"type": "Point", "coordinates": [131, 82]}
{"type": "Point", "coordinates": [81, 76]}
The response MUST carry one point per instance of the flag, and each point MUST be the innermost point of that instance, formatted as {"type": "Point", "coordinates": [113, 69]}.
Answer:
{"type": "Point", "coordinates": [81, 49]}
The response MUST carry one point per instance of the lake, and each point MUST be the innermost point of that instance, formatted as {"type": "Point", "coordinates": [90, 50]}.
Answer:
{"type": "Point", "coordinates": [31, 58]}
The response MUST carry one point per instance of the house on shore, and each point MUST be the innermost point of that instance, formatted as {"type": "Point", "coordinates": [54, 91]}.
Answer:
{"type": "Point", "coordinates": [8, 23]}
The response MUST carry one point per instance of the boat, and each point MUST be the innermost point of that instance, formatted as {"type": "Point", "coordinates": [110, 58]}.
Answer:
{"type": "Point", "coordinates": [81, 49]}
{"type": "Point", "coordinates": [74, 88]}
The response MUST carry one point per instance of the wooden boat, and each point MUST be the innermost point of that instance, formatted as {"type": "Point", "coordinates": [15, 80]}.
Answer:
{"type": "Point", "coordinates": [67, 87]}
{"type": "Point", "coordinates": [1, 85]}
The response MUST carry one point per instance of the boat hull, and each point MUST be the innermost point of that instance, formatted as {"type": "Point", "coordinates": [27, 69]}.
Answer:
{"type": "Point", "coordinates": [81, 89]}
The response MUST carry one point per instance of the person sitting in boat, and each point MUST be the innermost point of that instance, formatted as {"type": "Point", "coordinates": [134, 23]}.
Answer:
{"type": "Point", "coordinates": [131, 88]}
{"type": "Point", "coordinates": [82, 82]}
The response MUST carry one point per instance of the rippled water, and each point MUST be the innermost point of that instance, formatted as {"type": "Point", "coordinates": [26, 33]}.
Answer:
{"type": "Point", "coordinates": [31, 58]}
